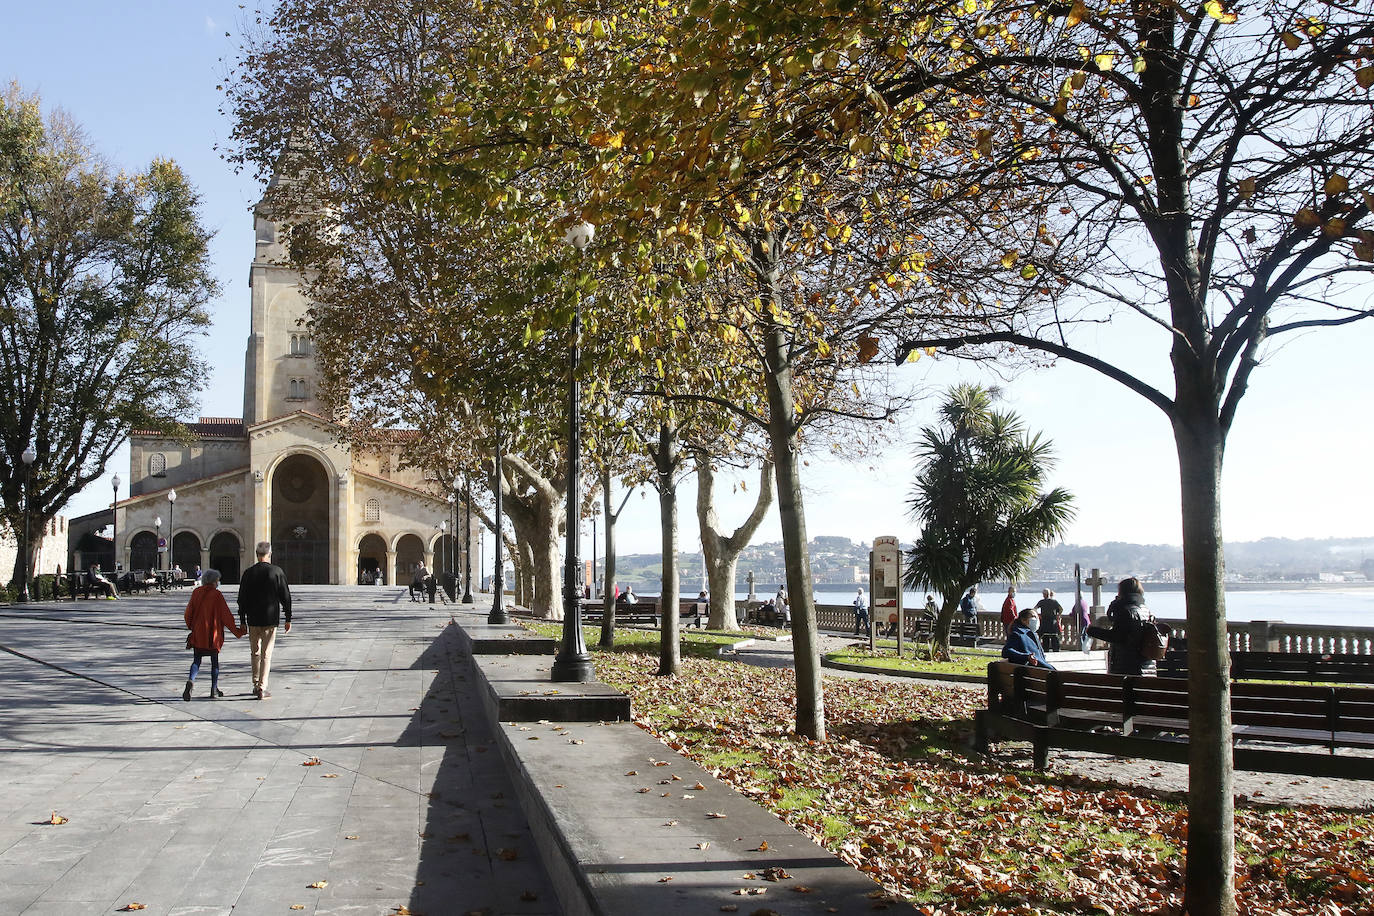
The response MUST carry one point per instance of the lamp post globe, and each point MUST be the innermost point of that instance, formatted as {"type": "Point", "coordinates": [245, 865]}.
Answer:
{"type": "Point", "coordinates": [114, 513]}
{"type": "Point", "coordinates": [171, 526]}
{"type": "Point", "coordinates": [573, 663]}
{"type": "Point", "coordinates": [29, 457]}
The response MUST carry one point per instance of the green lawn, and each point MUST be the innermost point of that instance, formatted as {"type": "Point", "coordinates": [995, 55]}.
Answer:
{"type": "Point", "coordinates": [965, 661]}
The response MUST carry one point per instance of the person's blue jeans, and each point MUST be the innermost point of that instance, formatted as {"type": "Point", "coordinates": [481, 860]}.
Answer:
{"type": "Point", "coordinates": [214, 666]}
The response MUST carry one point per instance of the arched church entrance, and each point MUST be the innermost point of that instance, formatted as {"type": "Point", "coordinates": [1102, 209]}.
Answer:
{"type": "Point", "coordinates": [371, 558]}
{"type": "Point", "coordinates": [143, 551]}
{"type": "Point", "coordinates": [300, 520]}
{"type": "Point", "coordinates": [225, 555]}
{"type": "Point", "coordinates": [410, 553]}
{"type": "Point", "coordinates": [186, 551]}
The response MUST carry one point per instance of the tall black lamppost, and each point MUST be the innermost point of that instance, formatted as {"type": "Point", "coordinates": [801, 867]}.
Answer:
{"type": "Point", "coordinates": [451, 558]}
{"type": "Point", "coordinates": [498, 579]}
{"type": "Point", "coordinates": [574, 663]}
{"type": "Point", "coordinates": [171, 528]}
{"type": "Point", "coordinates": [157, 543]}
{"type": "Point", "coordinates": [467, 540]}
{"type": "Point", "coordinates": [29, 457]}
{"type": "Point", "coordinates": [114, 512]}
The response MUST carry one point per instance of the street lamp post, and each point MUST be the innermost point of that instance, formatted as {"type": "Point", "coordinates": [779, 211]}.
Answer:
{"type": "Point", "coordinates": [157, 543]}
{"type": "Point", "coordinates": [498, 580]}
{"type": "Point", "coordinates": [467, 540]}
{"type": "Point", "coordinates": [114, 512]}
{"type": "Point", "coordinates": [443, 556]}
{"type": "Point", "coordinates": [28, 457]}
{"type": "Point", "coordinates": [451, 558]}
{"type": "Point", "coordinates": [574, 663]}
{"type": "Point", "coordinates": [171, 528]}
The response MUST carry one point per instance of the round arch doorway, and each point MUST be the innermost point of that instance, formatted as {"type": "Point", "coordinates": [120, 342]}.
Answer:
{"type": "Point", "coordinates": [300, 520]}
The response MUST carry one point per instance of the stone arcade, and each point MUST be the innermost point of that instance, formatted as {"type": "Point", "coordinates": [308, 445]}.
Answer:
{"type": "Point", "coordinates": [276, 474]}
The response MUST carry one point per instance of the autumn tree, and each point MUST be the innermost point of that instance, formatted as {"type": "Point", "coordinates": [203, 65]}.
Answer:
{"type": "Point", "coordinates": [104, 279]}
{"type": "Point", "coordinates": [1208, 173]}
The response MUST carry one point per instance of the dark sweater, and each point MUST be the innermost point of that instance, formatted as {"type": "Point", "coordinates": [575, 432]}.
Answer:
{"type": "Point", "coordinates": [263, 596]}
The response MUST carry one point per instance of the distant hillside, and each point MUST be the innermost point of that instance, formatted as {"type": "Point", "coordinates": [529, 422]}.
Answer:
{"type": "Point", "coordinates": [838, 561]}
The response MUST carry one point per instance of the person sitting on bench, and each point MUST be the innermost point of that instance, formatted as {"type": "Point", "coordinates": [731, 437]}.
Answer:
{"type": "Point", "coordinates": [1022, 646]}
{"type": "Point", "coordinates": [100, 583]}
{"type": "Point", "coordinates": [626, 599]}
{"type": "Point", "coordinates": [417, 583]}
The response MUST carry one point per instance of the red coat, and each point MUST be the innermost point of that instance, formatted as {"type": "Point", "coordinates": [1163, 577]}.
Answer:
{"type": "Point", "coordinates": [1009, 610]}
{"type": "Point", "coordinates": [207, 617]}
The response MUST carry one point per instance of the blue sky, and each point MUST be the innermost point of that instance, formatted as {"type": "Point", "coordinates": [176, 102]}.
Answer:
{"type": "Point", "coordinates": [141, 77]}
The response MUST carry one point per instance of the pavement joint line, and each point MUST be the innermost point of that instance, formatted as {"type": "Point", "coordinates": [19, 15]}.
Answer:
{"type": "Point", "coordinates": [103, 623]}
{"type": "Point", "coordinates": [227, 725]}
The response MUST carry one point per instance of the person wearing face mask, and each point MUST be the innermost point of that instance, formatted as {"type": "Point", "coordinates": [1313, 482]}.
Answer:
{"type": "Point", "coordinates": [1022, 646]}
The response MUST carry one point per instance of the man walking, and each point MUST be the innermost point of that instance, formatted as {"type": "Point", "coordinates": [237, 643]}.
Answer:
{"type": "Point", "coordinates": [264, 600]}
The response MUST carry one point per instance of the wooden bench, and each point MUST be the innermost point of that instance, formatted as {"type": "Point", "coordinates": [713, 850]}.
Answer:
{"type": "Point", "coordinates": [1148, 717]}
{"type": "Point", "coordinates": [638, 613]}
{"type": "Point", "coordinates": [1284, 666]}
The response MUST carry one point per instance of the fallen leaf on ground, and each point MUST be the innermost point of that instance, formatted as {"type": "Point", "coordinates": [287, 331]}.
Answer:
{"type": "Point", "coordinates": [665, 879]}
{"type": "Point", "coordinates": [762, 847]}
{"type": "Point", "coordinates": [318, 885]}
{"type": "Point", "coordinates": [714, 814]}
{"type": "Point", "coordinates": [57, 819]}
{"type": "Point", "coordinates": [130, 907]}
{"type": "Point", "coordinates": [312, 762]}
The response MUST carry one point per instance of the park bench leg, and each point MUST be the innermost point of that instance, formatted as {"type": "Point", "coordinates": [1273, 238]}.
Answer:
{"type": "Point", "coordinates": [1041, 746]}
{"type": "Point", "coordinates": [980, 731]}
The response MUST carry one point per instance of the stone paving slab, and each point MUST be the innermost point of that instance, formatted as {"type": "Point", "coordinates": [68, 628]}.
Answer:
{"type": "Point", "coordinates": [204, 808]}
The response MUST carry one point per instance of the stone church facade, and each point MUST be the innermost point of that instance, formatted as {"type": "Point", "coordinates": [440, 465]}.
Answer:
{"type": "Point", "coordinates": [278, 473]}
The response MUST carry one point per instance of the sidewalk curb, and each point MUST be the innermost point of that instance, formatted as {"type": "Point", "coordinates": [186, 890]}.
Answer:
{"type": "Point", "coordinates": [897, 672]}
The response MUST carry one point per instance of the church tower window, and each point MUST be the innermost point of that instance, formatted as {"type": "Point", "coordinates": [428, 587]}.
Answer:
{"type": "Point", "coordinates": [300, 345]}
{"type": "Point", "coordinates": [226, 509]}
{"type": "Point", "coordinates": [372, 511]}
{"type": "Point", "coordinates": [157, 465]}
{"type": "Point", "coordinates": [296, 390]}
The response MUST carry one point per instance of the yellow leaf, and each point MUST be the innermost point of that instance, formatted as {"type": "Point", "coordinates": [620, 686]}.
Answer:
{"type": "Point", "coordinates": [1028, 271]}
{"type": "Point", "coordinates": [1365, 76]}
{"type": "Point", "coordinates": [1336, 184]}
{"type": "Point", "coordinates": [1010, 258]}
{"type": "Point", "coordinates": [57, 819]}
{"type": "Point", "coordinates": [318, 885]}
{"type": "Point", "coordinates": [1076, 14]}
{"type": "Point", "coordinates": [1307, 218]}
{"type": "Point", "coordinates": [1218, 11]}
{"type": "Point", "coordinates": [636, 344]}
{"type": "Point", "coordinates": [1105, 61]}
{"type": "Point", "coordinates": [603, 139]}
{"type": "Point", "coordinates": [1334, 228]}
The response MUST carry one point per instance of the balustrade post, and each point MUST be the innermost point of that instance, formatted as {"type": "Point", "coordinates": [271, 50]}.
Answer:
{"type": "Point", "coordinates": [1263, 635]}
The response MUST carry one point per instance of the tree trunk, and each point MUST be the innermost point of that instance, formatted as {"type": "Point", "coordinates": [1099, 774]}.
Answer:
{"type": "Point", "coordinates": [537, 514]}
{"type": "Point", "coordinates": [608, 581]}
{"type": "Point", "coordinates": [665, 461]}
{"type": "Point", "coordinates": [939, 643]}
{"type": "Point", "coordinates": [792, 515]}
{"type": "Point", "coordinates": [1210, 879]}
{"type": "Point", "coordinates": [722, 552]}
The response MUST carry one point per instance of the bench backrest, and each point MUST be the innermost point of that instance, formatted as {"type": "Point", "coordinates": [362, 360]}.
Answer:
{"type": "Point", "coordinates": [1355, 709]}
{"type": "Point", "coordinates": [1012, 687]}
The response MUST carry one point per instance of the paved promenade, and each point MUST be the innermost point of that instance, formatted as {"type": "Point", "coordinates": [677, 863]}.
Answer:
{"type": "Point", "coordinates": [207, 807]}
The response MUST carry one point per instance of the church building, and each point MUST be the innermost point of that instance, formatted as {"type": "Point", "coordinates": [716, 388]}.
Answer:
{"type": "Point", "coordinates": [332, 513]}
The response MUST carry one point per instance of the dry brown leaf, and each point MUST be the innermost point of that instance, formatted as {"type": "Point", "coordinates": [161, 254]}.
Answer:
{"type": "Point", "coordinates": [329, 775]}
{"type": "Point", "coordinates": [698, 787]}
{"type": "Point", "coordinates": [57, 819]}
{"type": "Point", "coordinates": [762, 847]}
{"type": "Point", "coordinates": [312, 762]}
{"type": "Point", "coordinates": [130, 907]}
{"type": "Point", "coordinates": [665, 879]}
{"type": "Point", "coordinates": [298, 906]}
{"type": "Point", "coordinates": [351, 836]}
{"type": "Point", "coordinates": [714, 814]}
{"type": "Point", "coordinates": [318, 885]}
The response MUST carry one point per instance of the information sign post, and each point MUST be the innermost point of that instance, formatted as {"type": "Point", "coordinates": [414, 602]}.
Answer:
{"type": "Point", "coordinates": [885, 578]}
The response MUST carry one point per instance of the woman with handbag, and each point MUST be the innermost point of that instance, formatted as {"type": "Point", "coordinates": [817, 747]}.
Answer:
{"type": "Point", "coordinates": [207, 617]}
{"type": "Point", "coordinates": [1128, 614]}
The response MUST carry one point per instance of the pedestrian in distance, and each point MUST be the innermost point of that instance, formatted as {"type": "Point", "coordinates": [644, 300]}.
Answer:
{"type": "Point", "coordinates": [207, 617]}
{"type": "Point", "coordinates": [1051, 626]}
{"type": "Point", "coordinates": [1009, 611]}
{"type": "Point", "coordinates": [968, 605]}
{"type": "Point", "coordinates": [1022, 647]}
{"type": "Point", "coordinates": [1125, 635]}
{"type": "Point", "coordinates": [860, 612]}
{"type": "Point", "coordinates": [103, 584]}
{"type": "Point", "coordinates": [264, 603]}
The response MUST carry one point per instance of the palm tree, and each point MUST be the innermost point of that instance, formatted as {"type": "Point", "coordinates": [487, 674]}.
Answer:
{"type": "Point", "coordinates": [978, 498]}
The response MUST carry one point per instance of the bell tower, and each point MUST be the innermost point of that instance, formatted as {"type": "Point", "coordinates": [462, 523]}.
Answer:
{"type": "Point", "coordinates": [280, 373]}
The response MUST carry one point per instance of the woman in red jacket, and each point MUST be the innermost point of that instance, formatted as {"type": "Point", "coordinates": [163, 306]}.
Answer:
{"type": "Point", "coordinates": [207, 617]}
